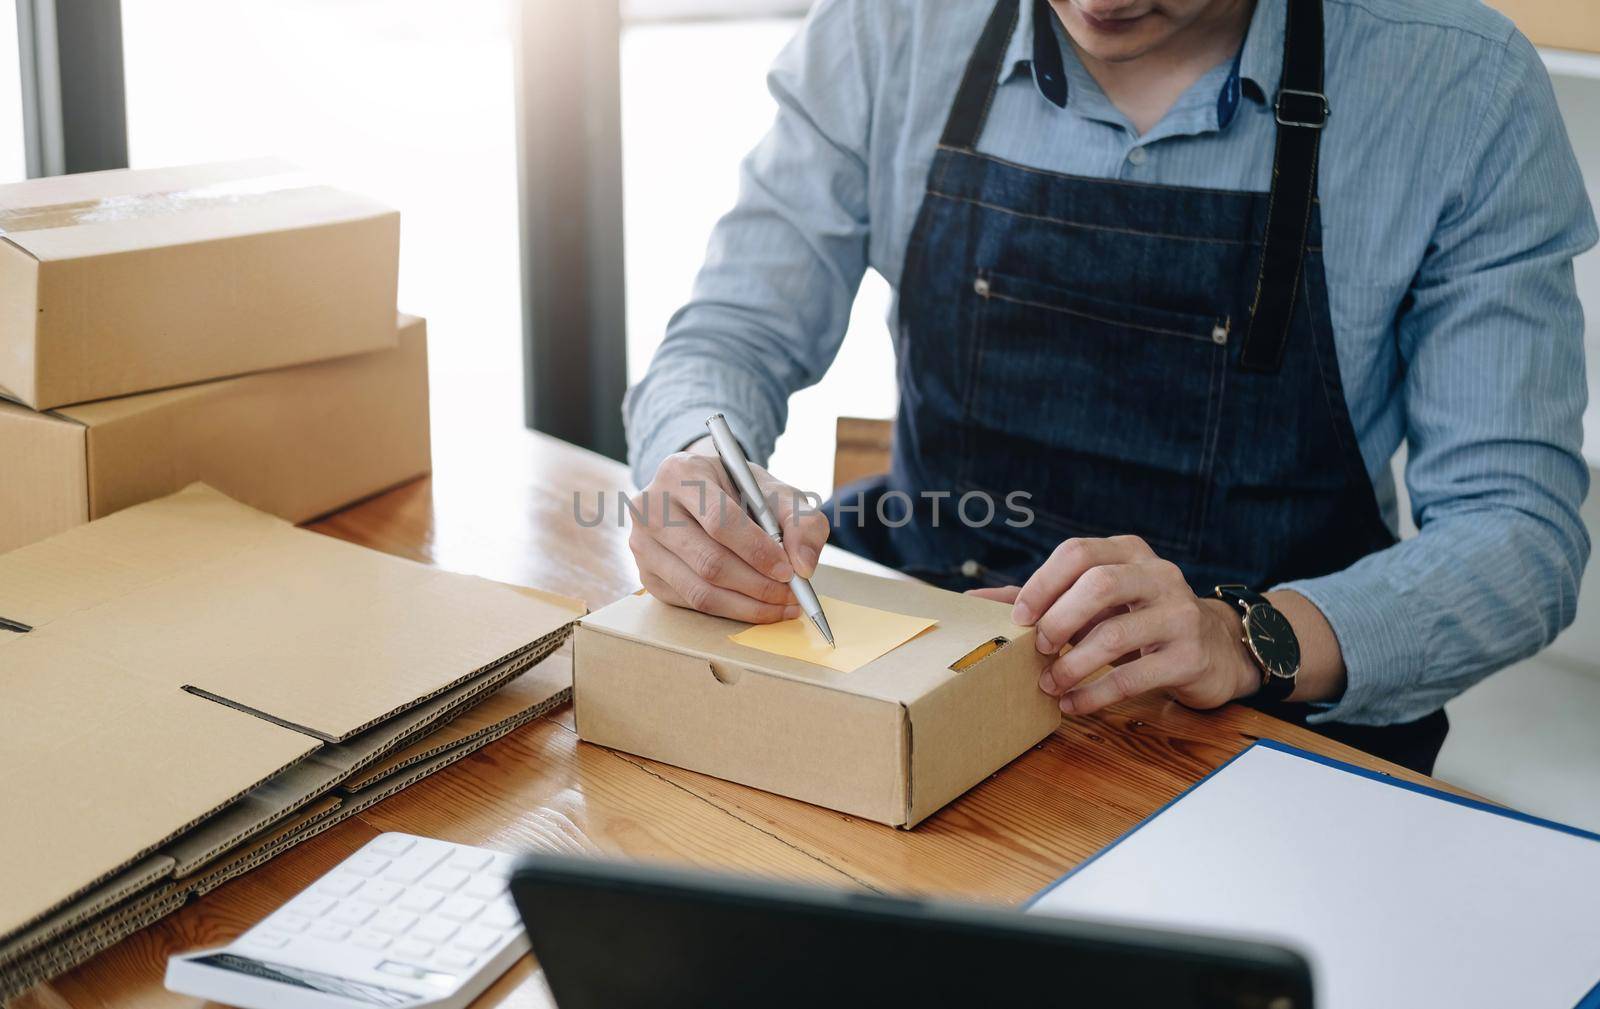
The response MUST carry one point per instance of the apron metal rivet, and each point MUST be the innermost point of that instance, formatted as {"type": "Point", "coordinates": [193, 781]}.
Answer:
{"type": "Point", "coordinates": [981, 285]}
{"type": "Point", "coordinates": [1219, 334]}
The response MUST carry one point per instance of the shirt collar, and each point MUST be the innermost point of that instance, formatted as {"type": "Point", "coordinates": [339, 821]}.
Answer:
{"type": "Point", "coordinates": [1035, 48]}
{"type": "Point", "coordinates": [1261, 59]}
{"type": "Point", "coordinates": [1020, 51]}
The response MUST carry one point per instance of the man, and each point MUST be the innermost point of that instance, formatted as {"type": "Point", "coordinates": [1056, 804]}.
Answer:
{"type": "Point", "coordinates": [1185, 273]}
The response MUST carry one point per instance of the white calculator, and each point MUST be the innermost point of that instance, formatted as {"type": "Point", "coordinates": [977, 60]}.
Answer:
{"type": "Point", "coordinates": [406, 921]}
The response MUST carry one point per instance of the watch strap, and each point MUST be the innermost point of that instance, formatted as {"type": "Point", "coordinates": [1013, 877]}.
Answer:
{"type": "Point", "coordinates": [1241, 596]}
{"type": "Point", "coordinates": [1276, 688]}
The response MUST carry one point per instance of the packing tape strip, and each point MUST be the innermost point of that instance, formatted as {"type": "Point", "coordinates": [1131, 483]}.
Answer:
{"type": "Point", "coordinates": [136, 206]}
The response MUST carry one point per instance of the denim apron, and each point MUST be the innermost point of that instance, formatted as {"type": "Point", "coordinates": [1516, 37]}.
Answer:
{"type": "Point", "coordinates": [1089, 357]}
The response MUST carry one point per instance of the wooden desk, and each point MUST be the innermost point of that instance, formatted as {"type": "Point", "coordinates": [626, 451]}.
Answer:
{"type": "Point", "coordinates": [506, 512]}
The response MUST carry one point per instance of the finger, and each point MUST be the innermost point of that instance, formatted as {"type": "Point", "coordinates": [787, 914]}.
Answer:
{"type": "Point", "coordinates": [1108, 641]}
{"type": "Point", "coordinates": [1137, 677]}
{"type": "Point", "coordinates": [696, 593]}
{"type": "Point", "coordinates": [726, 521]}
{"type": "Point", "coordinates": [1097, 589]}
{"type": "Point", "coordinates": [655, 586]}
{"type": "Point", "coordinates": [1002, 594]}
{"type": "Point", "coordinates": [1065, 565]}
{"type": "Point", "coordinates": [1094, 621]}
{"type": "Point", "coordinates": [711, 562]}
{"type": "Point", "coordinates": [805, 528]}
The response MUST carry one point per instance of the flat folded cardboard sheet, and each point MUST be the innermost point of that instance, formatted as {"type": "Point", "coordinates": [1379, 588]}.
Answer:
{"type": "Point", "coordinates": [124, 281]}
{"type": "Point", "coordinates": [145, 894]}
{"type": "Point", "coordinates": [519, 702]}
{"type": "Point", "coordinates": [91, 937]}
{"type": "Point", "coordinates": [140, 878]}
{"type": "Point", "coordinates": [297, 442]}
{"type": "Point", "coordinates": [335, 764]}
{"type": "Point", "coordinates": [892, 741]}
{"type": "Point", "coordinates": [171, 658]}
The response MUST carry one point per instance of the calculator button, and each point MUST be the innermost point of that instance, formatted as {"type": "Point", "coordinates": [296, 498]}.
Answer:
{"type": "Point", "coordinates": [366, 938]}
{"type": "Point", "coordinates": [313, 905]}
{"type": "Point", "coordinates": [378, 892]}
{"type": "Point", "coordinates": [392, 921]}
{"type": "Point", "coordinates": [476, 939]}
{"type": "Point", "coordinates": [485, 887]}
{"type": "Point", "coordinates": [417, 864]}
{"type": "Point", "coordinates": [455, 959]}
{"type": "Point", "coordinates": [413, 948]}
{"type": "Point", "coordinates": [351, 914]}
{"type": "Point", "coordinates": [340, 885]}
{"type": "Point", "coordinates": [365, 864]}
{"type": "Point", "coordinates": [421, 900]}
{"type": "Point", "coordinates": [448, 880]}
{"type": "Point", "coordinates": [290, 922]}
{"type": "Point", "coordinates": [434, 930]}
{"type": "Point", "coordinates": [393, 845]}
{"type": "Point", "coordinates": [330, 931]}
{"type": "Point", "coordinates": [267, 940]}
{"type": "Point", "coordinates": [500, 915]}
{"type": "Point", "coordinates": [471, 861]}
{"type": "Point", "coordinates": [461, 908]}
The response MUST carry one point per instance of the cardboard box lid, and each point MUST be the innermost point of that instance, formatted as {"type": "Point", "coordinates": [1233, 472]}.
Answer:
{"type": "Point", "coordinates": [104, 213]}
{"type": "Point", "coordinates": [910, 671]}
{"type": "Point", "coordinates": [199, 593]}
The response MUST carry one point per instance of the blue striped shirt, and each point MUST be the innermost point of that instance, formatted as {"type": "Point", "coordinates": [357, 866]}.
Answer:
{"type": "Point", "coordinates": [1452, 208]}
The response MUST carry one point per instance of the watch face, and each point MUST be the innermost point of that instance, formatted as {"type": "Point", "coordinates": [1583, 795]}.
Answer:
{"type": "Point", "coordinates": [1273, 641]}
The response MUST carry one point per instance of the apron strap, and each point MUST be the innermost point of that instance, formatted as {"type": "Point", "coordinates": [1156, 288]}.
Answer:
{"type": "Point", "coordinates": [965, 123]}
{"type": "Point", "coordinates": [1302, 111]}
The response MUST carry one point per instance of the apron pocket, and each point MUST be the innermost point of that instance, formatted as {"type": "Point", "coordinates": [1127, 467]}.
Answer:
{"type": "Point", "coordinates": [1106, 413]}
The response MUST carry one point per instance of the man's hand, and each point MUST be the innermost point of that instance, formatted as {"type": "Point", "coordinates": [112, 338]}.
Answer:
{"type": "Point", "coordinates": [1117, 603]}
{"type": "Point", "coordinates": [696, 547]}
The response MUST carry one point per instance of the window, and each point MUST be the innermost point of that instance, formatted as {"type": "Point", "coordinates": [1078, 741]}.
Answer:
{"type": "Point", "coordinates": [694, 101]}
{"type": "Point", "coordinates": [13, 152]}
{"type": "Point", "coordinates": [408, 101]}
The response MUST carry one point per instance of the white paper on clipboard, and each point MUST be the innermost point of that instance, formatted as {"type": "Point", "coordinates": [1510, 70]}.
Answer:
{"type": "Point", "coordinates": [1398, 895]}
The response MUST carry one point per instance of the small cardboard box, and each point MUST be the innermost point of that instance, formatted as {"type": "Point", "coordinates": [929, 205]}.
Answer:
{"type": "Point", "coordinates": [121, 282]}
{"type": "Point", "coordinates": [297, 442]}
{"type": "Point", "coordinates": [893, 741]}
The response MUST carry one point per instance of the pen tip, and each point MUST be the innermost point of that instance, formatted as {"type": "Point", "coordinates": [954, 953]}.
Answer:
{"type": "Point", "coordinates": [821, 623]}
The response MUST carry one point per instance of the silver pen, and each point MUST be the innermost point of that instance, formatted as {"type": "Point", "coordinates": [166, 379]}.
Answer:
{"type": "Point", "coordinates": [755, 502]}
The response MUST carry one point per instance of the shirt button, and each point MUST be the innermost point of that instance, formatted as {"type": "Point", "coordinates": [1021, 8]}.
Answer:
{"type": "Point", "coordinates": [1138, 156]}
{"type": "Point", "coordinates": [970, 569]}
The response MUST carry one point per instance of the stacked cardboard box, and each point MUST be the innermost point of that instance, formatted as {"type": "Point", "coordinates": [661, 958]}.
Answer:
{"type": "Point", "coordinates": [189, 686]}
{"type": "Point", "coordinates": [117, 284]}
{"type": "Point", "coordinates": [193, 686]}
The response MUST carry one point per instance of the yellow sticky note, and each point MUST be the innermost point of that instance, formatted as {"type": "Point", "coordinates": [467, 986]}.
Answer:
{"type": "Point", "coordinates": [861, 633]}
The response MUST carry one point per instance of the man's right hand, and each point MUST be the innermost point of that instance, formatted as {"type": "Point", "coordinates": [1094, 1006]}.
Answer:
{"type": "Point", "coordinates": [696, 547]}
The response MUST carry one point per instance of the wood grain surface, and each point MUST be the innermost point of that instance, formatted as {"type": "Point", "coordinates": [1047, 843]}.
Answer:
{"type": "Point", "coordinates": [506, 511]}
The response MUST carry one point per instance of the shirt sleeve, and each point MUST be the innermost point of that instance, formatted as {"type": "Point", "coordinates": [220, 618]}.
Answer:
{"type": "Point", "coordinates": [1492, 341]}
{"type": "Point", "coordinates": [771, 303]}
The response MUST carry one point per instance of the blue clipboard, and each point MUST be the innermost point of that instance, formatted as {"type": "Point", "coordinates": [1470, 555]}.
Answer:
{"type": "Point", "coordinates": [1589, 1001]}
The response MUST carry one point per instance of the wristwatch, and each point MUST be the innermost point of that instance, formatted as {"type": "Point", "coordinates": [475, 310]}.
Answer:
{"type": "Point", "coordinates": [1270, 638]}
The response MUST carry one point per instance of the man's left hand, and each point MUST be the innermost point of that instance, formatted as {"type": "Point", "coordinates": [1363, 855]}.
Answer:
{"type": "Point", "coordinates": [1116, 602]}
